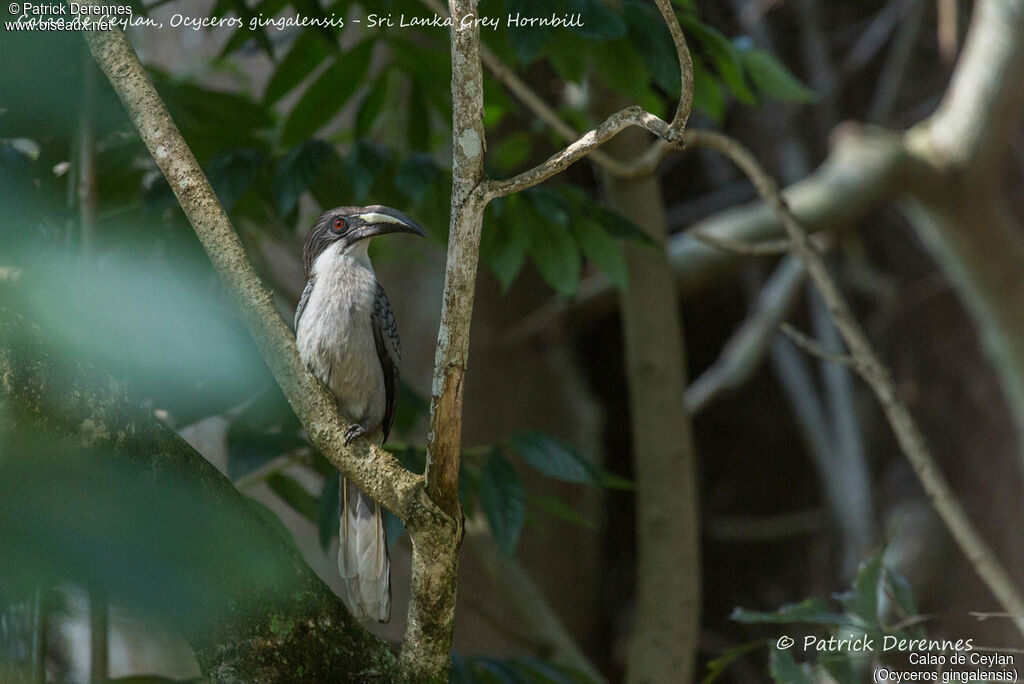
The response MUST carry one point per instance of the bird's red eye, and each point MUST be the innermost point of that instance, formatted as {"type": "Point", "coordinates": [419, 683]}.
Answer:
{"type": "Point", "coordinates": [339, 224]}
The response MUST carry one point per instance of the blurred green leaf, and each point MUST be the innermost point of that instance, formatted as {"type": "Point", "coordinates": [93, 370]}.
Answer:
{"type": "Point", "coordinates": [602, 250]}
{"type": "Point", "coordinates": [152, 537]}
{"type": "Point", "coordinates": [232, 172]}
{"type": "Point", "coordinates": [785, 670]}
{"type": "Point", "coordinates": [505, 242]}
{"type": "Point", "coordinates": [647, 31]}
{"type": "Point", "coordinates": [862, 600]}
{"type": "Point", "coordinates": [707, 94]}
{"type": "Point", "coordinates": [327, 94]}
{"type": "Point", "coordinates": [418, 120]}
{"type": "Point", "coordinates": [553, 458]}
{"type": "Point", "coordinates": [554, 253]}
{"type": "Point", "coordinates": [512, 150]}
{"type": "Point", "coordinates": [416, 176]}
{"type": "Point", "coordinates": [725, 56]}
{"type": "Point", "coordinates": [548, 204]}
{"type": "Point", "coordinates": [527, 41]}
{"type": "Point", "coordinates": [372, 104]}
{"type": "Point", "coordinates": [297, 171]}
{"type": "Point", "coordinates": [600, 21]}
{"type": "Point", "coordinates": [365, 162]}
{"type": "Point", "coordinates": [305, 55]}
{"type": "Point", "coordinates": [570, 55]}
{"type": "Point", "coordinates": [622, 69]}
{"type": "Point", "coordinates": [612, 222]}
{"type": "Point", "coordinates": [773, 79]}
{"type": "Point", "coordinates": [296, 496]}
{"type": "Point", "coordinates": [558, 508]}
{"type": "Point", "coordinates": [242, 35]}
{"type": "Point", "coordinates": [502, 499]}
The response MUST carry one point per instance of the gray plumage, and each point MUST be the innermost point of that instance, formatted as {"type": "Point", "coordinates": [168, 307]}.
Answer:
{"type": "Point", "coordinates": [346, 334]}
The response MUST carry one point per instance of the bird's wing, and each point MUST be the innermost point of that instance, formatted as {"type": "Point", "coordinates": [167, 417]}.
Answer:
{"type": "Point", "coordinates": [303, 300]}
{"type": "Point", "coordinates": [389, 351]}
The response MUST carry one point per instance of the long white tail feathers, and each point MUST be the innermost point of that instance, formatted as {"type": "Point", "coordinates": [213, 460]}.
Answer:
{"type": "Point", "coordinates": [363, 557]}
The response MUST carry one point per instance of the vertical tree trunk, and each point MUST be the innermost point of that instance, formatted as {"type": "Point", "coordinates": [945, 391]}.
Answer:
{"type": "Point", "coordinates": [667, 618]}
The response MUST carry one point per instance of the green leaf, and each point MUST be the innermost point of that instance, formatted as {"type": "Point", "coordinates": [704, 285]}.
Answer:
{"type": "Point", "coordinates": [563, 511]}
{"type": "Point", "coordinates": [296, 496]}
{"type": "Point", "coordinates": [600, 21]}
{"type": "Point", "coordinates": [416, 175]}
{"type": "Point", "coordinates": [330, 502]}
{"type": "Point", "coordinates": [371, 106]}
{"type": "Point", "coordinates": [554, 253]}
{"type": "Point", "coordinates": [512, 150]}
{"type": "Point", "coordinates": [418, 120]}
{"type": "Point", "coordinates": [297, 171]}
{"type": "Point", "coordinates": [502, 499]}
{"type": "Point", "coordinates": [527, 41]}
{"type": "Point", "coordinates": [327, 94]}
{"type": "Point", "coordinates": [862, 600]}
{"type": "Point", "coordinates": [305, 55]}
{"type": "Point", "coordinates": [809, 611]}
{"type": "Point", "coordinates": [614, 223]}
{"type": "Point", "coordinates": [364, 163]}
{"type": "Point", "coordinates": [647, 31]}
{"type": "Point", "coordinates": [785, 670]}
{"type": "Point", "coordinates": [773, 79]}
{"type": "Point", "coordinates": [232, 173]}
{"type": "Point", "coordinates": [619, 66]}
{"type": "Point", "coordinates": [707, 94]}
{"type": "Point", "coordinates": [504, 244]}
{"type": "Point", "coordinates": [242, 35]}
{"type": "Point", "coordinates": [553, 458]}
{"type": "Point", "coordinates": [602, 250]}
{"type": "Point", "coordinates": [548, 204]}
{"type": "Point", "coordinates": [569, 55]}
{"type": "Point", "coordinates": [725, 57]}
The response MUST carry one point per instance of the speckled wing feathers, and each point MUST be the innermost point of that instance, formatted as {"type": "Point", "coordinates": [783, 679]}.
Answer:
{"type": "Point", "coordinates": [389, 349]}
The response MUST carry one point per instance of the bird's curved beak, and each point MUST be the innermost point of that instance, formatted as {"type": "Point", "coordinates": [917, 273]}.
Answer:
{"type": "Point", "coordinates": [379, 220]}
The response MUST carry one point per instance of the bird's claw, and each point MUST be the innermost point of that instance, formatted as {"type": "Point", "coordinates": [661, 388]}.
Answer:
{"type": "Point", "coordinates": [353, 432]}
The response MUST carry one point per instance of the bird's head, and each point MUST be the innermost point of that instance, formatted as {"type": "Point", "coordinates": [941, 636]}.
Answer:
{"type": "Point", "coordinates": [349, 227]}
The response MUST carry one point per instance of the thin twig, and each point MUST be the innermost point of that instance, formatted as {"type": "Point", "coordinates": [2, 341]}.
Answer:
{"type": "Point", "coordinates": [911, 441]}
{"type": "Point", "coordinates": [743, 353]}
{"type": "Point", "coordinates": [741, 248]}
{"type": "Point", "coordinates": [669, 134]}
{"type": "Point", "coordinates": [814, 348]}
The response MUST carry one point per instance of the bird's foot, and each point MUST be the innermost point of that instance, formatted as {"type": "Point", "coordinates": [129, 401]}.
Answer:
{"type": "Point", "coordinates": [353, 432]}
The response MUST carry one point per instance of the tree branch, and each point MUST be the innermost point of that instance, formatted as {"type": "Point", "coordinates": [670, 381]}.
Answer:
{"type": "Point", "coordinates": [866, 166]}
{"type": "Point", "coordinates": [743, 353]}
{"type": "Point", "coordinates": [670, 134]}
{"type": "Point", "coordinates": [435, 534]}
{"type": "Point", "coordinates": [870, 368]}
{"type": "Point", "coordinates": [374, 470]}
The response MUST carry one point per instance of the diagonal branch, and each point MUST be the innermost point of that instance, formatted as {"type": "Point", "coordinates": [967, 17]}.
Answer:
{"type": "Point", "coordinates": [877, 376]}
{"type": "Point", "coordinates": [374, 470]}
{"type": "Point", "coordinates": [670, 134]}
{"type": "Point", "coordinates": [427, 642]}
{"type": "Point", "coordinates": [558, 162]}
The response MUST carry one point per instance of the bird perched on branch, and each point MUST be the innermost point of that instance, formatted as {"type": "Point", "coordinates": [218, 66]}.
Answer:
{"type": "Point", "coordinates": [347, 336]}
